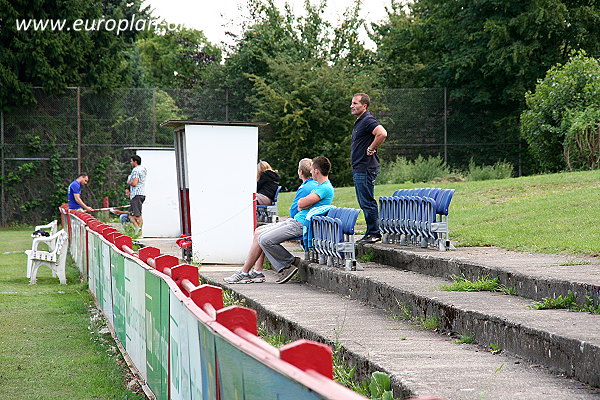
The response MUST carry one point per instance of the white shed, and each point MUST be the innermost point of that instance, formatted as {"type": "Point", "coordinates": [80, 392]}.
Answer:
{"type": "Point", "coordinates": [216, 175]}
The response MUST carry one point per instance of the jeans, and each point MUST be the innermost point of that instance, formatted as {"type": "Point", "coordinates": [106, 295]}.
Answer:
{"type": "Point", "coordinates": [270, 241]}
{"type": "Point", "coordinates": [364, 183]}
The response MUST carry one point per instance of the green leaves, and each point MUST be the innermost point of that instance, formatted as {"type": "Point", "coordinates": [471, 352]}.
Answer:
{"type": "Point", "coordinates": [556, 122]}
{"type": "Point", "coordinates": [380, 385]}
{"type": "Point", "coordinates": [177, 59]}
{"type": "Point", "coordinates": [307, 106]}
{"type": "Point", "coordinates": [488, 53]}
{"type": "Point", "coordinates": [55, 59]}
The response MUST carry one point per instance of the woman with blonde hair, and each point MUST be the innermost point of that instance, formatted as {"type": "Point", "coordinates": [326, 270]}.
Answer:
{"type": "Point", "coordinates": [267, 181]}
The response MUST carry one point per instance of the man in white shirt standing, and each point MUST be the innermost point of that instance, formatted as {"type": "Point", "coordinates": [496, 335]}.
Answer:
{"type": "Point", "coordinates": [137, 191]}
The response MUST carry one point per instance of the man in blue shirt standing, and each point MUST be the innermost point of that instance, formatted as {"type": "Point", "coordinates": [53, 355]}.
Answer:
{"type": "Point", "coordinates": [367, 136]}
{"type": "Point", "coordinates": [74, 193]}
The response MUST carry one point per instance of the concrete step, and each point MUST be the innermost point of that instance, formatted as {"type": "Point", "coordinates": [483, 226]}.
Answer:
{"type": "Point", "coordinates": [534, 276]}
{"type": "Point", "coordinates": [352, 313]}
{"type": "Point", "coordinates": [565, 342]}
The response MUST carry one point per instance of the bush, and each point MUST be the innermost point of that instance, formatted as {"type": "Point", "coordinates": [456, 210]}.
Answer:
{"type": "Point", "coordinates": [582, 140]}
{"type": "Point", "coordinates": [420, 170]}
{"type": "Point", "coordinates": [396, 171]}
{"type": "Point", "coordinates": [565, 90]}
{"type": "Point", "coordinates": [500, 170]}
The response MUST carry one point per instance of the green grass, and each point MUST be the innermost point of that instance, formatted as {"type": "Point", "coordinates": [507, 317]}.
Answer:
{"type": "Point", "coordinates": [466, 338]}
{"type": "Point", "coordinates": [567, 302]}
{"type": "Point", "coordinates": [554, 213]}
{"type": "Point", "coordinates": [49, 349]}
{"type": "Point", "coordinates": [481, 284]}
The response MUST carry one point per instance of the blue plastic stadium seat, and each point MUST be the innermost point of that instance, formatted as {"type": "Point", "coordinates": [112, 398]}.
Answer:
{"type": "Point", "coordinates": [416, 217]}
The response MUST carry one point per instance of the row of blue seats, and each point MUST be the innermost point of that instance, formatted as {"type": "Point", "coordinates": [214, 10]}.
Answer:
{"type": "Point", "coordinates": [417, 217]}
{"type": "Point", "coordinates": [333, 237]}
{"type": "Point", "coordinates": [330, 239]}
{"type": "Point", "coordinates": [268, 212]}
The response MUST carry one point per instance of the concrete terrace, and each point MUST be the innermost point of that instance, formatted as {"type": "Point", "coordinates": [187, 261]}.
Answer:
{"type": "Point", "coordinates": [376, 316]}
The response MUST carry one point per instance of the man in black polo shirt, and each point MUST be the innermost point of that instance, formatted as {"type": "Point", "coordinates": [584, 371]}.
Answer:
{"type": "Point", "coordinates": [367, 136]}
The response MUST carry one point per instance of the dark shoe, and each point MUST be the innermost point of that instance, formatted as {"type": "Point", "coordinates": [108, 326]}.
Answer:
{"type": "Point", "coordinates": [369, 239]}
{"type": "Point", "coordinates": [286, 274]}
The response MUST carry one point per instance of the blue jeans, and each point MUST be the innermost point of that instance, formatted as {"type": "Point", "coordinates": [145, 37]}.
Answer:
{"type": "Point", "coordinates": [364, 183]}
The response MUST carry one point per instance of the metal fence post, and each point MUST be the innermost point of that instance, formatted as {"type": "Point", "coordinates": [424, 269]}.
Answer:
{"type": "Point", "coordinates": [2, 202]}
{"type": "Point", "coordinates": [445, 127]}
{"type": "Point", "coordinates": [153, 115]}
{"type": "Point", "coordinates": [226, 104]}
{"type": "Point", "coordinates": [78, 130]}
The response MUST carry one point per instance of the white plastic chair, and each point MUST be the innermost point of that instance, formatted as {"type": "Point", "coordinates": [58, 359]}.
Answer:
{"type": "Point", "coordinates": [55, 259]}
{"type": "Point", "coordinates": [53, 228]}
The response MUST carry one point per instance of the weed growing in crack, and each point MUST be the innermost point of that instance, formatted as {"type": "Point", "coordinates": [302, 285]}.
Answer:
{"type": "Point", "coordinates": [230, 298]}
{"type": "Point", "coordinates": [430, 323]}
{"type": "Point", "coordinates": [567, 302]}
{"type": "Point", "coordinates": [481, 284]}
{"type": "Point", "coordinates": [368, 256]}
{"type": "Point", "coordinates": [495, 348]}
{"type": "Point", "coordinates": [466, 338]}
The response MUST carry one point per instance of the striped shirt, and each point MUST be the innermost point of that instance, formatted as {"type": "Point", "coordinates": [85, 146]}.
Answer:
{"type": "Point", "coordinates": [138, 190]}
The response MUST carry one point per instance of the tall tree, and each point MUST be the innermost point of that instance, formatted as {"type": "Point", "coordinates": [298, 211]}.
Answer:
{"type": "Point", "coordinates": [63, 57]}
{"type": "Point", "coordinates": [299, 74]}
{"type": "Point", "coordinates": [305, 119]}
{"type": "Point", "coordinates": [177, 59]}
{"type": "Point", "coordinates": [488, 52]}
{"type": "Point", "coordinates": [274, 33]}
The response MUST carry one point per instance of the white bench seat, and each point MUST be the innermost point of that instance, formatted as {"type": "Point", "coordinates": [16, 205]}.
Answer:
{"type": "Point", "coordinates": [55, 260]}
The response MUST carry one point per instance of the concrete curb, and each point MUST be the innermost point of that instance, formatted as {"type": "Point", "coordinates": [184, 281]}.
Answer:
{"type": "Point", "coordinates": [572, 357]}
{"type": "Point", "coordinates": [527, 286]}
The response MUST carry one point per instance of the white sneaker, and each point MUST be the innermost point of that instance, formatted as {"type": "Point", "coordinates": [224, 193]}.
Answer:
{"type": "Point", "coordinates": [239, 277]}
{"type": "Point", "coordinates": [257, 276]}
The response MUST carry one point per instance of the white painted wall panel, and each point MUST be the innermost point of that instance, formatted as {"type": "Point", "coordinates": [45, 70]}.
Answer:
{"type": "Point", "coordinates": [221, 167]}
{"type": "Point", "coordinates": [161, 208]}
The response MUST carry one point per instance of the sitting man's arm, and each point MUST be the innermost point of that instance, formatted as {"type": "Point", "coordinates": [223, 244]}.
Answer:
{"type": "Point", "coordinates": [308, 201]}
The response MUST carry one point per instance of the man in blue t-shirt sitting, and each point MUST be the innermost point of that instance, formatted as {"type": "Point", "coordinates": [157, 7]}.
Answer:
{"type": "Point", "coordinates": [269, 240]}
{"type": "Point", "coordinates": [74, 193]}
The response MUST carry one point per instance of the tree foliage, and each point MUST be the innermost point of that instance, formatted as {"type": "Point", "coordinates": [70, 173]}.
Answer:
{"type": "Point", "coordinates": [274, 34]}
{"type": "Point", "coordinates": [305, 119]}
{"type": "Point", "coordinates": [176, 59]}
{"type": "Point", "coordinates": [561, 121]}
{"type": "Point", "coordinates": [487, 52]}
{"type": "Point", "coordinates": [299, 74]}
{"type": "Point", "coordinates": [61, 58]}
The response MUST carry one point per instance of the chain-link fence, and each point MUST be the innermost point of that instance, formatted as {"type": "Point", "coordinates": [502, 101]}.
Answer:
{"type": "Point", "coordinates": [44, 146]}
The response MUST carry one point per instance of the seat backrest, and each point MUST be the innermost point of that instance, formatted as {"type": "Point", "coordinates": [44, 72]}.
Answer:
{"type": "Point", "coordinates": [334, 212]}
{"type": "Point", "coordinates": [276, 194]}
{"type": "Point", "coordinates": [444, 202]}
{"type": "Point", "coordinates": [61, 242]}
{"type": "Point", "coordinates": [348, 218]}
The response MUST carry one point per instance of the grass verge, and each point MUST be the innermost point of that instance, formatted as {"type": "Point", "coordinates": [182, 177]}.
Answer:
{"type": "Point", "coordinates": [48, 346]}
{"type": "Point", "coordinates": [552, 213]}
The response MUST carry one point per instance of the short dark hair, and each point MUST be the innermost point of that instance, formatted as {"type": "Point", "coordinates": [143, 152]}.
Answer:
{"type": "Point", "coordinates": [82, 174]}
{"type": "Point", "coordinates": [364, 98]}
{"type": "Point", "coordinates": [322, 164]}
{"type": "Point", "coordinates": [137, 159]}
